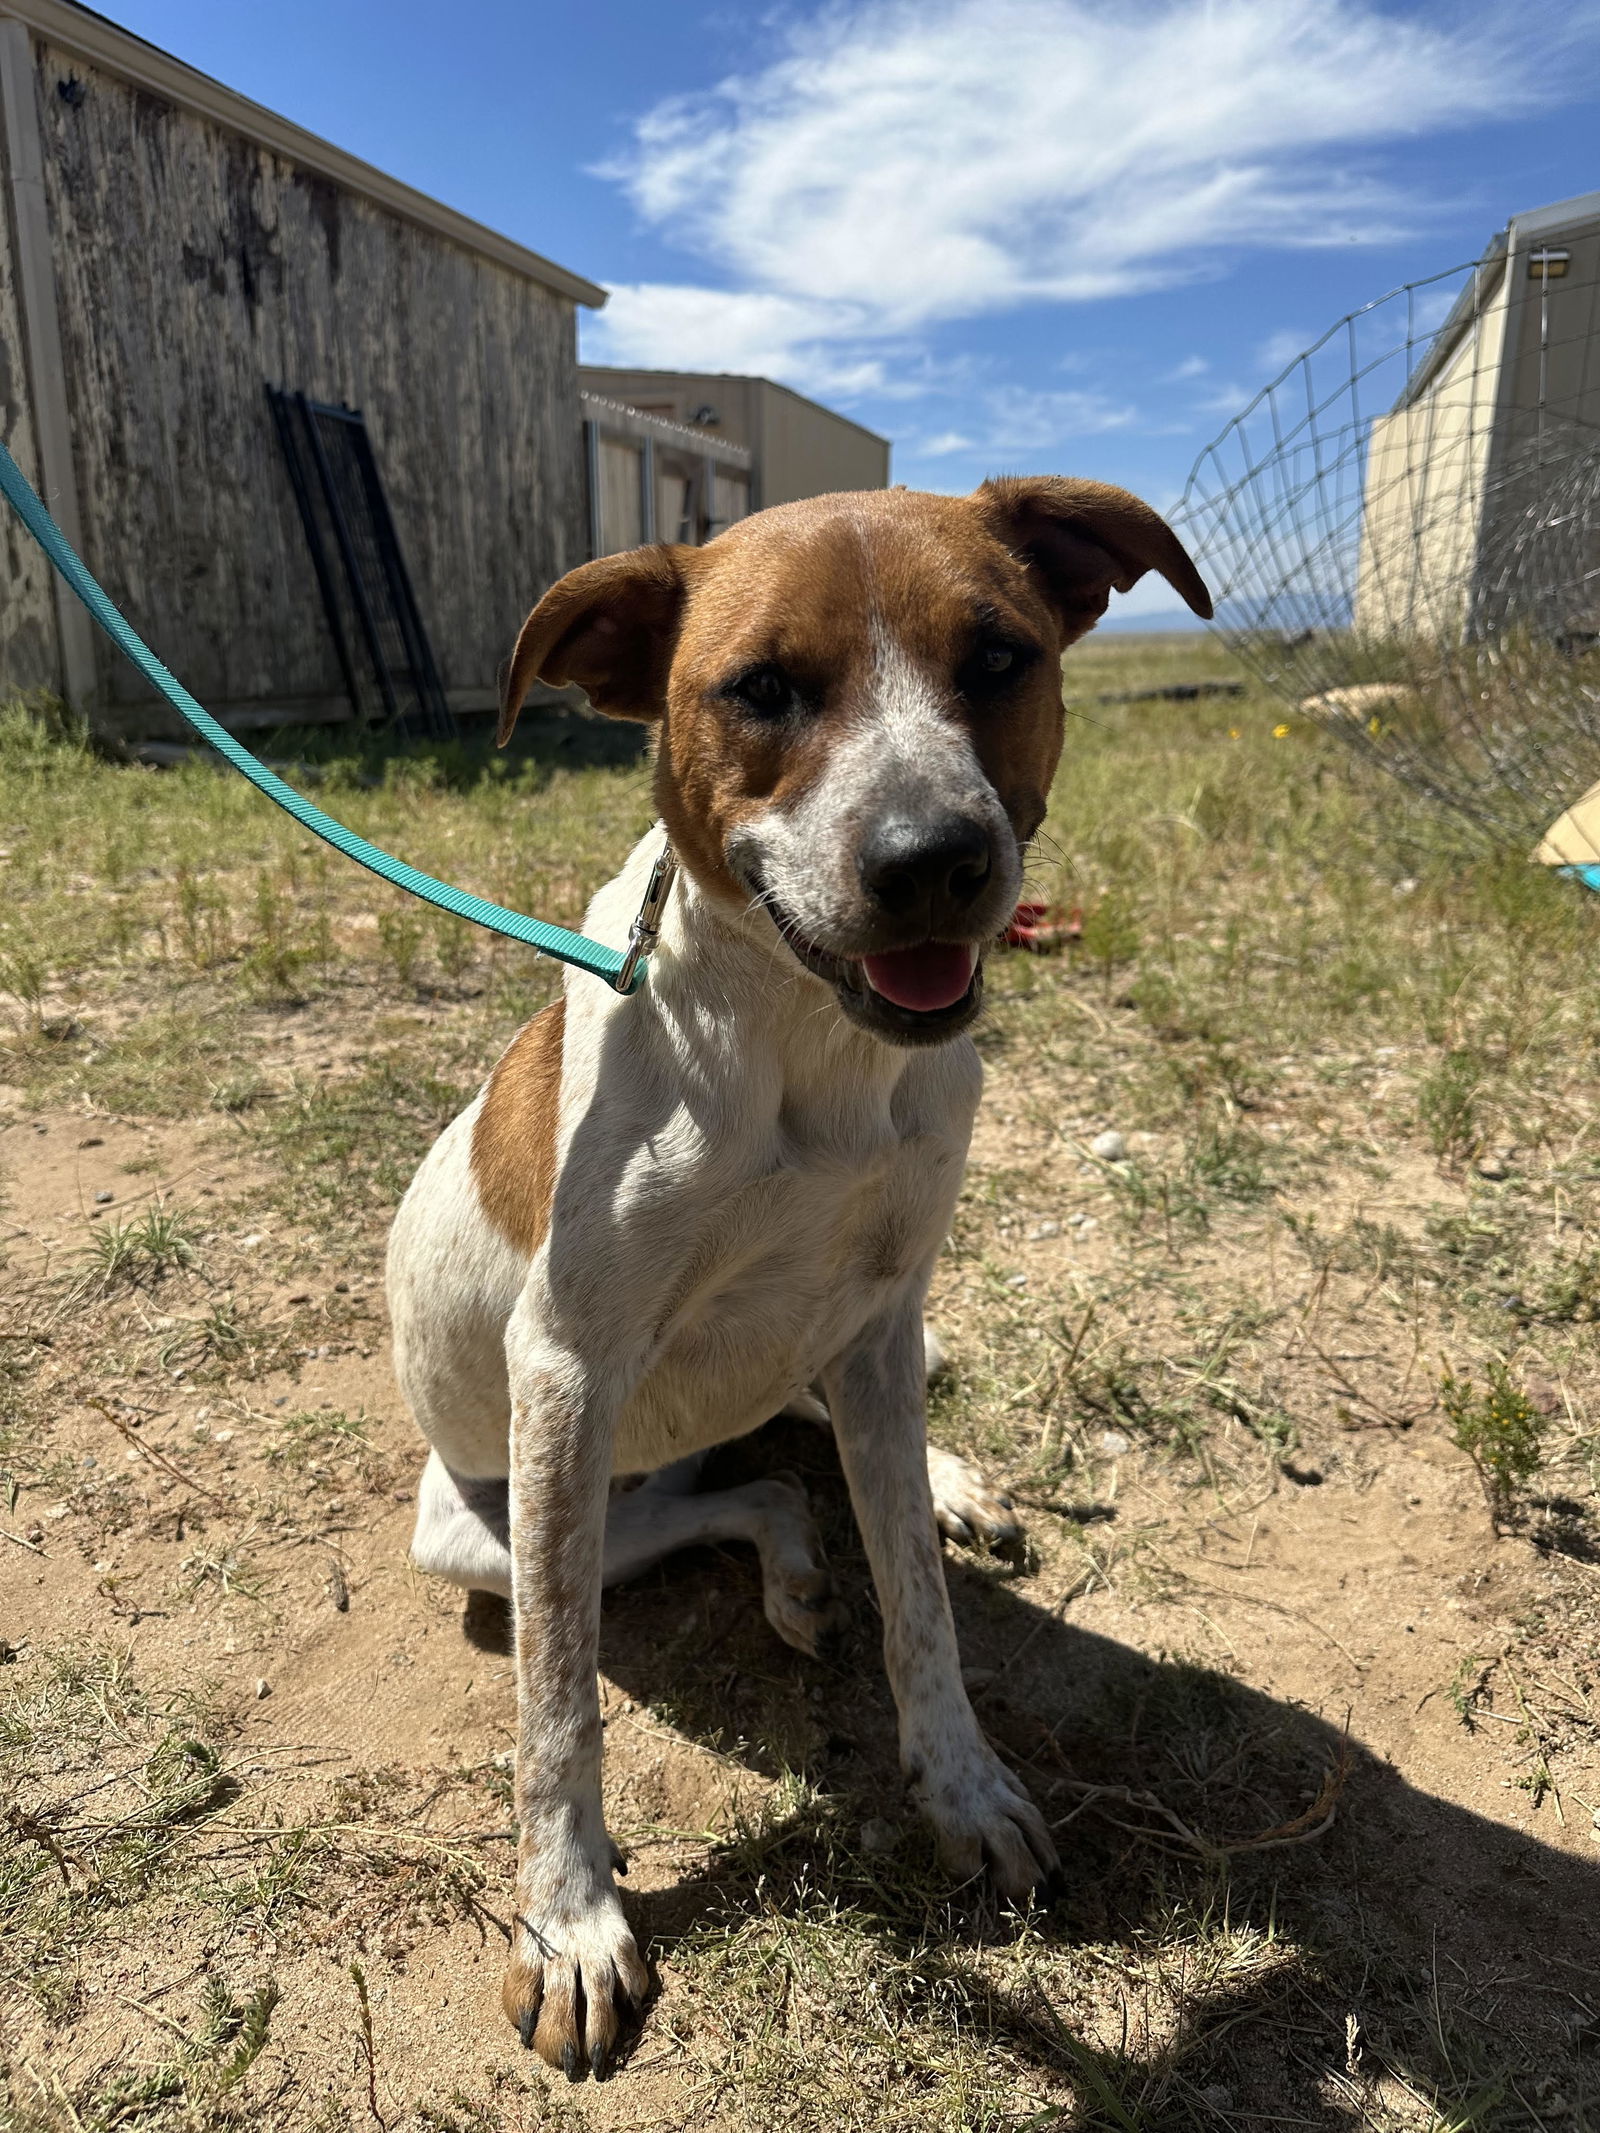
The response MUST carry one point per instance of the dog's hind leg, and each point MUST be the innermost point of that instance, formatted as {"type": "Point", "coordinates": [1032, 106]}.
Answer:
{"type": "Point", "coordinates": [662, 1515]}
{"type": "Point", "coordinates": [967, 1505]}
{"type": "Point", "coordinates": [462, 1531]}
{"type": "Point", "coordinates": [462, 1534]}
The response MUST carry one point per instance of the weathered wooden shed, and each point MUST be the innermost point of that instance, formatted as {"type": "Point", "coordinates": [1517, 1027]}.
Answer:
{"type": "Point", "coordinates": [168, 249]}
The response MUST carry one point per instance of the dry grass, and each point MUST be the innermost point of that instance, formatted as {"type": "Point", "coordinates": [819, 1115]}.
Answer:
{"type": "Point", "coordinates": [1211, 1368]}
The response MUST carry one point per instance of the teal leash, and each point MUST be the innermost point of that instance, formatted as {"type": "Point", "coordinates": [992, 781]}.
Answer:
{"type": "Point", "coordinates": [624, 972]}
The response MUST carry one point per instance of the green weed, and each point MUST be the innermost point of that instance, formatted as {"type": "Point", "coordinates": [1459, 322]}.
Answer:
{"type": "Point", "coordinates": [140, 1252]}
{"type": "Point", "coordinates": [1501, 1432]}
{"type": "Point", "coordinates": [1449, 1104]}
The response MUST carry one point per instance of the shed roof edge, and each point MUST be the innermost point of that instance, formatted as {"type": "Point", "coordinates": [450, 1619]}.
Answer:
{"type": "Point", "coordinates": [106, 44]}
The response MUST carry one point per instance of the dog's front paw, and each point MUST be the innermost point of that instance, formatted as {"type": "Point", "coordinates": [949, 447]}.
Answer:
{"type": "Point", "coordinates": [575, 1975]}
{"type": "Point", "coordinates": [983, 1818]}
{"type": "Point", "coordinates": [967, 1505]}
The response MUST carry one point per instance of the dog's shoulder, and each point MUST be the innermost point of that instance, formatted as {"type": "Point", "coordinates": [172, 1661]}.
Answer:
{"type": "Point", "coordinates": [514, 1134]}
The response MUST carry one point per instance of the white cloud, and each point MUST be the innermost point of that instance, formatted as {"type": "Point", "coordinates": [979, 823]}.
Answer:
{"type": "Point", "coordinates": [1014, 421]}
{"type": "Point", "coordinates": [906, 161]}
{"type": "Point", "coordinates": [741, 330]}
{"type": "Point", "coordinates": [1190, 367]}
{"type": "Point", "coordinates": [1279, 349]}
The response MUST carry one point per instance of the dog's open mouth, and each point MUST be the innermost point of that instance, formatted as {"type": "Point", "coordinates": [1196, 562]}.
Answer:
{"type": "Point", "coordinates": [928, 990]}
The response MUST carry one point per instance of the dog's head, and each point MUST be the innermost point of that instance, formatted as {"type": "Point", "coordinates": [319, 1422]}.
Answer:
{"type": "Point", "coordinates": [860, 708]}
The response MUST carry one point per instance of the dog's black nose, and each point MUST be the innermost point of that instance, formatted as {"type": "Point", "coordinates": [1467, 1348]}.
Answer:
{"type": "Point", "coordinates": [924, 869]}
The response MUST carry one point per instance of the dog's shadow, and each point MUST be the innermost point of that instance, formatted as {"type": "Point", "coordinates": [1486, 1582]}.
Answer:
{"type": "Point", "coordinates": [1345, 1925]}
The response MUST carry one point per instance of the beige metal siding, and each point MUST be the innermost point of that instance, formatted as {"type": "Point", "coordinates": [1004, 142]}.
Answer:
{"type": "Point", "coordinates": [806, 450]}
{"type": "Point", "coordinates": [1424, 489]}
{"type": "Point", "coordinates": [800, 447]}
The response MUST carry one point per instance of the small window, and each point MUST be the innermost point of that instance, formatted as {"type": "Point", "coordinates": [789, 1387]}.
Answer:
{"type": "Point", "coordinates": [1547, 265]}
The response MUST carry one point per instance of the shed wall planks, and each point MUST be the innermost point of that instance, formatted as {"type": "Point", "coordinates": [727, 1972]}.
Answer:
{"type": "Point", "coordinates": [194, 265]}
{"type": "Point", "coordinates": [30, 654]}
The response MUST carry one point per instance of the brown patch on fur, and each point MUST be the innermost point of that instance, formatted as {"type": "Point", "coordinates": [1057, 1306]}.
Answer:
{"type": "Point", "coordinates": [663, 633]}
{"type": "Point", "coordinates": [514, 1135]}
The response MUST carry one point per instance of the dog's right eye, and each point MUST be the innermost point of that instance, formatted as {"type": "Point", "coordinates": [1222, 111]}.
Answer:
{"type": "Point", "coordinates": [766, 690]}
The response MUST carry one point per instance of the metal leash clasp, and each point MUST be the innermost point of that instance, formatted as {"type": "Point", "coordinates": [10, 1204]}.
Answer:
{"type": "Point", "coordinates": [642, 933]}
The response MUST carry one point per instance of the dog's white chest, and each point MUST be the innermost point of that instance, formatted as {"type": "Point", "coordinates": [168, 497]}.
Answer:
{"type": "Point", "coordinates": [773, 1276]}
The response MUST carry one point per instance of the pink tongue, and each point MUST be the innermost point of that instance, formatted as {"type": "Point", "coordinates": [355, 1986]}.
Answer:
{"type": "Point", "coordinates": [934, 975]}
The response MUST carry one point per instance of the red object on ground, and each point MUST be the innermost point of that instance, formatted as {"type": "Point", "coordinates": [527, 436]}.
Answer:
{"type": "Point", "coordinates": [1042, 927]}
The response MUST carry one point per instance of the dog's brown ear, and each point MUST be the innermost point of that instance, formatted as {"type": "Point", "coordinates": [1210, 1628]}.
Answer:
{"type": "Point", "coordinates": [610, 626]}
{"type": "Point", "coordinates": [1084, 540]}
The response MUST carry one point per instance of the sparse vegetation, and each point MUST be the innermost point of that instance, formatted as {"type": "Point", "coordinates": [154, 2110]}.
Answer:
{"type": "Point", "coordinates": [1501, 1432]}
{"type": "Point", "coordinates": [244, 1752]}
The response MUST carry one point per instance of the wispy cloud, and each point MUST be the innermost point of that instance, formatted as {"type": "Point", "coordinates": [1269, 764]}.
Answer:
{"type": "Point", "coordinates": [1279, 349]}
{"type": "Point", "coordinates": [817, 346]}
{"type": "Point", "coordinates": [1010, 420]}
{"type": "Point", "coordinates": [900, 164]}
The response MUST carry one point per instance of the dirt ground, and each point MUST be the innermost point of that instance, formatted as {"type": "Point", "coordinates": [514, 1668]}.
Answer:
{"type": "Point", "coordinates": [1320, 1736]}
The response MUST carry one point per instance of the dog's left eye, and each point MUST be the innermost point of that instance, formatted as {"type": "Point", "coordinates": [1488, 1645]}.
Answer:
{"type": "Point", "coordinates": [992, 665]}
{"type": "Point", "coordinates": [766, 689]}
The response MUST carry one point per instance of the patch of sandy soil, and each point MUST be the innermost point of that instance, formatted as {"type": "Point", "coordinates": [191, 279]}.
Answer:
{"type": "Point", "coordinates": [1347, 1590]}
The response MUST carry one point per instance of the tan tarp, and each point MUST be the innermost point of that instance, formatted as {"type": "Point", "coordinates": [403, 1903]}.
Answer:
{"type": "Point", "coordinates": [1574, 840]}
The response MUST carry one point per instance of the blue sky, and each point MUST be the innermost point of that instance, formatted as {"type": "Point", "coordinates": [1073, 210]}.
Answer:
{"type": "Point", "coordinates": [1012, 235]}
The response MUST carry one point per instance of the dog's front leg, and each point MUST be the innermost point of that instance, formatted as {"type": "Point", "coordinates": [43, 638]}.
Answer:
{"type": "Point", "coordinates": [574, 1959]}
{"type": "Point", "coordinates": [980, 1812]}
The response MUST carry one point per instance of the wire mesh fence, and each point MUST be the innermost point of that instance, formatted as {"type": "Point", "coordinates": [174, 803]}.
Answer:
{"type": "Point", "coordinates": [1402, 531]}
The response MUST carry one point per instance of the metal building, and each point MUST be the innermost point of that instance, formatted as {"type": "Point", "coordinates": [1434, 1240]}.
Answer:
{"type": "Point", "coordinates": [1504, 403]}
{"type": "Point", "coordinates": [650, 479]}
{"type": "Point", "coordinates": [796, 447]}
{"type": "Point", "coordinates": [168, 250]}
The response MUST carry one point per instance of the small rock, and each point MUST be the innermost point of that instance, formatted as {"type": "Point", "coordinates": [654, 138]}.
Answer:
{"type": "Point", "coordinates": [1041, 1230]}
{"type": "Point", "coordinates": [1109, 1146]}
{"type": "Point", "coordinates": [224, 1436]}
{"type": "Point", "coordinates": [878, 1835]}
{"type": "Point", "coordinates": [104, 1199]}
{"type": "Point", "coordinates": [263, 1690]}
{"type": "Point", "coordinates": [505, 1759]}
{"type": "Point", "coordinates": [1218, 2097]}
{"type": "Point", "coordinates": [93, 1141]}
{"type": "Point", "coordinates": [1492, 1166]}
{"type": "Point", "coordinates": [1016, 1281]}
{"type": "Point", "coordinates": [1113, 1443]}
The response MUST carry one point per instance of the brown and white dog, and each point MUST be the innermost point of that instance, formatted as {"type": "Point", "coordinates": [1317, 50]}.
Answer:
{"type": "Point", "coordinates": [668, 1217]}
